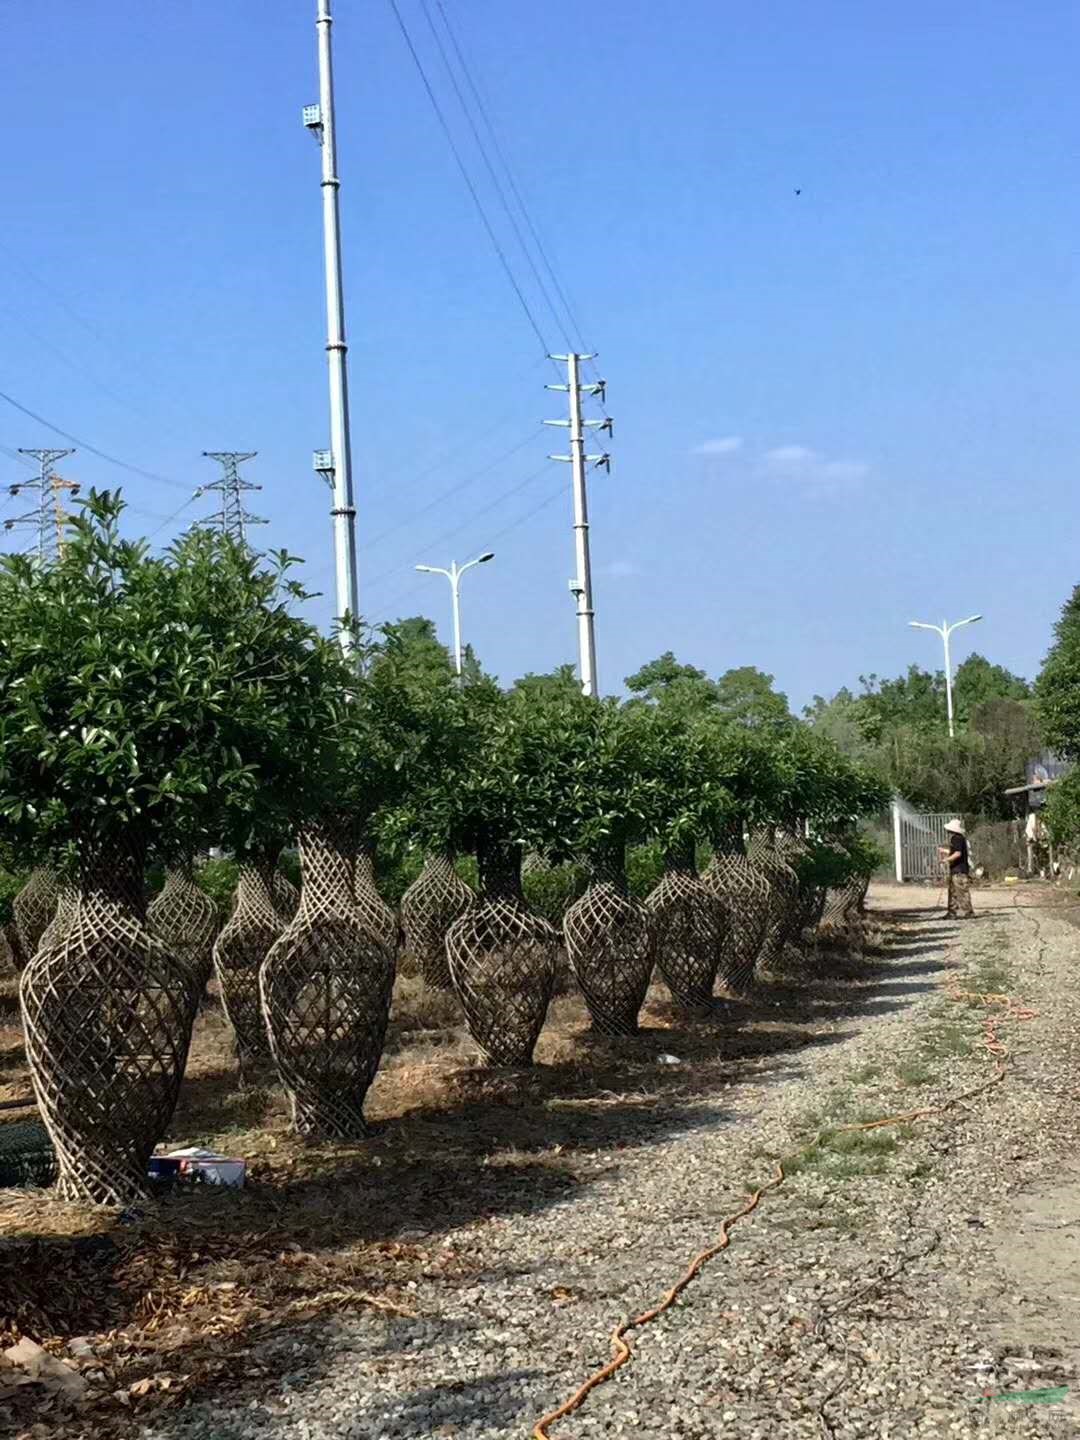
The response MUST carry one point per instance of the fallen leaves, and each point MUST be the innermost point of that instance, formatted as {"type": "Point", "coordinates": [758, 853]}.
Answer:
{"type": "Point", "coordinates": [27, 1363]}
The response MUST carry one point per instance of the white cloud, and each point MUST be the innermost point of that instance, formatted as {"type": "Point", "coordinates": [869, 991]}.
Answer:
{"type": "Point", "coordinates": [620, 569]}
{"type": "Point", "coordinates": [726, 445]}
{"type": "Point", "coordinates": [812, 469]}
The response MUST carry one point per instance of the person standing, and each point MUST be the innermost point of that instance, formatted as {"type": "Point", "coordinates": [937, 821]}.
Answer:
{"type": "Point", "coordinates": [955, 856]}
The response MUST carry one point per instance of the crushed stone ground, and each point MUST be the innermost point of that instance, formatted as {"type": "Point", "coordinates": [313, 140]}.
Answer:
{"type": "Point", "coordinates": [883, 1291]}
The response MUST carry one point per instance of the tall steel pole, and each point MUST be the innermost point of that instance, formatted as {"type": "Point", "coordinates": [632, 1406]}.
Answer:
{"type": "Point", "coordinates": [948, 679]}
{"type": "Point", "coordinates": [586, 615]}
{"type": "Point", "coordinates": [581, 585]}
{"type": "Point", "coordinates": [344, 511]}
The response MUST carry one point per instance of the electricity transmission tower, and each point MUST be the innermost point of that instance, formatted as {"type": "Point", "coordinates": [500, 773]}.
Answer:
{"type": "Point", "coordinates": [49, 516]}
{"type": "Point", "coordinates": [581, 585]}
{"type": "Point", "coordinates": [233, 517]}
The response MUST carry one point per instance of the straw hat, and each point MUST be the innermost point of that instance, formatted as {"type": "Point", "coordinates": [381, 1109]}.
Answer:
{"type": "Point", "coordinates": [954, 827]}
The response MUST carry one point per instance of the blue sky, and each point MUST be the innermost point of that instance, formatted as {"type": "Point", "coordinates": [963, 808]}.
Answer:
{"type": "Point", "coordinates": [835, 411]}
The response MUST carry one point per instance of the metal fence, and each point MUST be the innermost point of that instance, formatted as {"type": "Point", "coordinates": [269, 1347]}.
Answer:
{"type": "Point", "coordinates": [916, 838]}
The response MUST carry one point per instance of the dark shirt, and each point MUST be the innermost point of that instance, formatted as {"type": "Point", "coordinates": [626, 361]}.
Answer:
{"type": "Point", "coordinates": [958, 842]}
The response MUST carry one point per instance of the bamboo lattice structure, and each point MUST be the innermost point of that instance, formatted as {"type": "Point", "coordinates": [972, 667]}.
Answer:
{"type": "Point", "coordinates": [325, 989]}
{"type": "Point", "coordinates": [63, 915]}
{"type": "Point", "coordinates": [34, 907]}
{"type": "Point", "coordinates": [502, 962]}
{"type": "Point", "coordinates": [286, 896]}
{"type": "Point", "coordinates": [765, 855]}
{"type": "Point", "coordinates": [381, 922]}
{"type": "Point", "coordinates": [185, 920]}
{"type": "Point", "coordinates": [611, 945]}
{"type": "Point", "coordinates": [240, 949]}
{"type": "Point", "coordinates": [431, 904]}
{"type": "Point", "coordinates": [9, 960]}
{"type": "Point", "coordinates": [691, 931]}
{"type": "Point", "coordinates": [746, 894]}
{"type": "Point", "coordinates": [107, 1014]}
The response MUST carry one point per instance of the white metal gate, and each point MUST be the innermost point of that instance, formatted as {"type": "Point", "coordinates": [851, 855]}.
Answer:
{"type": "Point", "coordinates": [916, 838]}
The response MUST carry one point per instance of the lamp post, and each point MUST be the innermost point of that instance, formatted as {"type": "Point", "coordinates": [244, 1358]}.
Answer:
{"type": "Point", "coordinates": [945, 630]}
{"type": "Point", "coordinates": [454, 575]}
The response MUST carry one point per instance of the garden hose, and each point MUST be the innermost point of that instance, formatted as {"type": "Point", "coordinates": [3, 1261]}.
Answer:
{"type": "Point", "coordinates": [998, 1007]}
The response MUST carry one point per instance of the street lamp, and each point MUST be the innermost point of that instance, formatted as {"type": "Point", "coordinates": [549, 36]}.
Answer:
{"type": "Point", "coordinates": [454, 575]}
{"type": "Point", "coordinates": [945, 630]}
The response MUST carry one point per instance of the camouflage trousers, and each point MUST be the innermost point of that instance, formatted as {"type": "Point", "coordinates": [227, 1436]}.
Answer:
{"type": "Point", "coordinates": [960, 897]}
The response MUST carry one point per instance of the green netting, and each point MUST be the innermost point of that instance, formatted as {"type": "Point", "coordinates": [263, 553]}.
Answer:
{"type": "Point", "coordinates": [26, 1154]}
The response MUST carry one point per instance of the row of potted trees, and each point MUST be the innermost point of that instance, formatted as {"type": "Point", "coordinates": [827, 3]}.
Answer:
{"type": "Point", "coordinates": [154, 706]}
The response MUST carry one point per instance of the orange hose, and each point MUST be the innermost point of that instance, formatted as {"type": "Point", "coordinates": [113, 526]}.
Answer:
{"type": "Point", "coordinates": [995, 1003]}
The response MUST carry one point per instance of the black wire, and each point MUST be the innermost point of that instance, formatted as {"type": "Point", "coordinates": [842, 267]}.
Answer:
{"type": "Point", "coordinates": [454, 489]}
{"type": "Point", "coordinates": [464, 525]}
{"type": "Point", "coordinates": [515, 190]}
{"type": "Point", "coordinates": [467, 178]}
{"type": "Point", "coordinates": [19, 458]}
{"type": "Point", "coordinates": [499, 535]}
{"type": "Point", "coordinates": [499, 190]}
{"type": "Point", "coordinates": [92, 449]}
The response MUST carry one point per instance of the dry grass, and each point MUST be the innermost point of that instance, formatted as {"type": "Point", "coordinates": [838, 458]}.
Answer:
{"type": "Point", "coordinates": [184, 1287]}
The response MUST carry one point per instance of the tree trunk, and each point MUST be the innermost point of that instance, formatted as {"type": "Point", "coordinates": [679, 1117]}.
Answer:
{"type": "Point", "coordinates": [611, 945]}
{"type": "Point", "coordinates": [745, 892]}
{"type": "Point", "coordinates": [185, 920]}
{"type": "Point", "coordinates": [691, 929]}
{"type": "Point", "coordinates": [241, 948]}
{"type": "Point", "coordinates": [431, 904]}
{"type": "Point", "coordinates": [325, 989]}
{"type": "Point", "coordinates": [108, 1015]}
{"type": "Point", "coordinates": [502, 962]}
{"type": "Point", "coordinates": [34, 907]}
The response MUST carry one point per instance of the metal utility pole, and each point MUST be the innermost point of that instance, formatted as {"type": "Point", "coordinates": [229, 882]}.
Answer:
{"type": "Point", "coordinates": [454, 575]}
{"type": "Point", "coordinates": [232, 517]}
{"type": "Point", "coordinates": [49, 516]}
{"type": "Point", "coordinates": [945, 630]}
{"type": "Point", "coordinates": [335, 465]}
{"type": "Point", "coordinates": [581, 585]}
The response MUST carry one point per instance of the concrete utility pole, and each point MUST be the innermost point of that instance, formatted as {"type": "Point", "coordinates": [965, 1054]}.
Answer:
{"type": "Point", "coordinates": [454, 575]}
{"type": "Point", "coordinates": [49, 516]}
{"type": "Point", "coordinates": [581, 585]}
{"type": "Point", "coordinates": [945, 630]}
{"type": "Point", "coordinates": [335, 465]}
{"type": "Point", "coordinates": [232, 517]}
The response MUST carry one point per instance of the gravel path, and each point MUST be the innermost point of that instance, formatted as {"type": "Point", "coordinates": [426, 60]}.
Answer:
{"type": "Point", "coordinates": [894, 1278]}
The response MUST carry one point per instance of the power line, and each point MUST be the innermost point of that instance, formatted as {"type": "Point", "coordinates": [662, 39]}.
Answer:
{"type": "Point", "coordinates": [500, 153]}
{"type": "Point", "coordinates": [441, 117]}
{"type": "Point", "coordinates": [92, 449]}
{"type": "Point", "coordinates": [195, 495]}
{"type": "Point", "coordinates": [454, 489]}
{"type": "Point", "coordinates": [492, 173]}
{"type": "Point", "coordinates": [473, 438]}
{"type": "Point", "coordinates": [469, 520]}
{"type": "Point", "coordinates": [491, 540]}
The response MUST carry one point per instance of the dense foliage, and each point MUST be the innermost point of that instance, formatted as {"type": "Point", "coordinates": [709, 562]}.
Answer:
{"type": "Point", "coordinates": [898, 728]}
{"type": "Point", "coordinates": [170, 698]}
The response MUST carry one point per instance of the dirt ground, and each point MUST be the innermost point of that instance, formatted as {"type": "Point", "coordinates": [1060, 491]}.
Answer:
{"type": "Point", "coordinates": [894, 1281]}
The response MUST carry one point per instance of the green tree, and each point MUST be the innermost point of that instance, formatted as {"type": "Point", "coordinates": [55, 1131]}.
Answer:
{"type": "Point", "coordinates": [143, 701]}
{"type": "Point", "coordinates": [915, 700]}
{"type": "Point", "coordinates": [977, 681]}
{"type": "Point", "coordinates": [1057, 690]}
{"type": "Point", "coordinates": [414, 651]}
{"type": "Point", "coordinates": [666, 682]}
{"type": "Point", "coordinates": [747, 697]}
{"type": "Point", "coordinates": [840, 720]}
{"type": "Point", "coordinates": [554, 685]}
